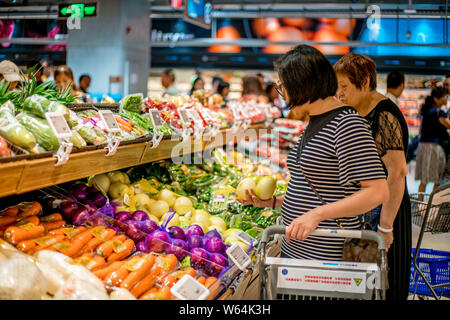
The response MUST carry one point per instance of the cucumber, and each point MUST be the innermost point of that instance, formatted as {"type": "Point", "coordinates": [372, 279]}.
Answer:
{"type": "Point", "coordinates": [39, 105]}
{"type": "Point", "coordinates": [14, 131]}
{"type": "Point", "coordinates": [40, 129]}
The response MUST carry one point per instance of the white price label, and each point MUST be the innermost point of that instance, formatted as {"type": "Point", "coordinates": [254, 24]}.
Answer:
{"type": "Point", "coordinates": [59, 125]}
{"type": "Point", "coordinates": [156, 119]}
{"type": "Point", "coordinates": [184, 117]}
{"type": "Point", "coordinates": [236, 113]}
{"type": "Point", "coordinates": [187, 288]}
{"type": "Point", "coordinates": [109, 120]}
{"type": "Point", "coordinates": [238, 256]}
{"type": "Point", "coordinates": [245, 237]}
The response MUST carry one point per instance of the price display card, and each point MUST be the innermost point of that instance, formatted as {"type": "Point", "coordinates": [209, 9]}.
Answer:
{"type": "Point", "coordinates": [196, 117]}
{"type": "Point", "coordinates": [184, 117]}
{"type": "Point", "coordinates": [156, 119]}
{"type": "Point", "coordinates": [187, 288]}
{"type": "Point", "coordinates": [110, 121]}
{"type": "Point", "coordinates": [238, 256]}
{"type": "Point", "coordinates": [245, 237]}
{"type": "Point", "coordinates": [59, 125]}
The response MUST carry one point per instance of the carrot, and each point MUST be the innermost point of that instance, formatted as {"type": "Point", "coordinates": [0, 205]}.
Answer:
{"type": "Point", "coordinates": [76, 246]}
{"type": "Point", "coordinates": [202, 280]}
{"type": "Point", "coordinates": [162, 293]}
{"type": "Point", "coordinates": [7, 220]}
{"type": "Point", "coordinates": [53, 224]}
{"type": "Point", "coordinates": [209, 281]}
{"type": "Point", "coordinates": [95, 242]}
{"type": "Point", "coordinates": [169, 280]}
{"type": "Point", "coordinates": [30, 209]}
{"type": "Point", "coordinates": [84, 235]}
{"type": "Point", "coordinates": [11, 211]}
{"type": "Point", "coordinates": [52, 217]}
{"type": "Point", "coordinates": [128, 247]}
{"type": "Point", "coordinates": [106, 248]}
{"type": "Point", "coordinates": [136, 275]}
{"type": "Point", "coordinates": [26, 245]}
{"type": "Point", "coordinates": [31, 219]}
{"type": "Point", "coordinates": [96, 261]}
{"type": "Point", "coordinates": [147, 282]}
{"type": "Point", "coordinates": [102, 271]}
{"type": "Point", "coordinates": [116, 278]}
{"type": "Point", "coordinates": [39, 243]}
{"type": "Point", "coordinates": [64, 231]}
{"type": "Point", "coordinates": [15, 234]}
{"type": "Point", "coordinates": [180, 273]}
{"type": "Point", "coordinates": [168, 262]}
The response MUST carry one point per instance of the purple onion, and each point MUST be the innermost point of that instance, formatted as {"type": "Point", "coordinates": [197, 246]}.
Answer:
{"type": "Point", "coordinates": [78, 187]}
{"type": "Point", "coordinates": [176, 232]}
{"type": "Point", "coordinates": [179, 248]}
{"type": "Point", "coordinates": [140, 215]}
{"type": "Point", "coordinates": [123, 216]}
{"type": "Point", "coordinates": [213, 245]}
{"type": "Point", "coordinates": [80, 216]}
{"type": "Point", "coordinates": [68, 208]}
{"type": "Point", "coordinates": [132, 230]}
{"type": "Point", "coordinates": [80, 195]}
{"type": "Point", "coordinates": [140, 246]}
{"type": "Point", "coordinates": [194, 241]}
{"type": "Point", "coordinates": [148, 226]}
{"type": "Point", "coordinates": [213, 233]}
{"type": "Point", "coordinates": [92, 191]}
{"type": "Point", "coordinates": [90, 206]}
{"type": "Point", "coordinates": [108, 209]}
{"type": "Point", "coordinates": [199, 257]}
{"type": "Point", "coordinates": [194, 229]}
{"type": "Point", "coordinates": [157, 241]}
{"type": "Point", "coordinates": [217, 263]}
{"type": "Point", "coordinates": [99, 199]}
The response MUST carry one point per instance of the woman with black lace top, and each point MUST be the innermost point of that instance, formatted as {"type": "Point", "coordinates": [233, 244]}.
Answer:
{"type": "Point", "coordinates": [357, 81]}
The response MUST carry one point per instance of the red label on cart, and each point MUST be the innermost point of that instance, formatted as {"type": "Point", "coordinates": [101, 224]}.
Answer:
{"type": "Point", "coordinates": [322, 280]}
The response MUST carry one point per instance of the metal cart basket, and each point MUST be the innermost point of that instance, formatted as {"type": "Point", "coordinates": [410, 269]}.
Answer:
{"type": "Point", "coordinates": [431, 212]}
{"type": "Point", "coordinates": [299, 279]}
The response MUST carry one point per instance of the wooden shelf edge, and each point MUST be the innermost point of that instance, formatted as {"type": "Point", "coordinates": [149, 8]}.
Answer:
{"type": "Point", "coordinates": [27, 175]}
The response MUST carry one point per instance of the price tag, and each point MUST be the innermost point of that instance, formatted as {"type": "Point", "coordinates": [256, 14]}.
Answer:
{"type": "Point", "coordinates": [184, 117]}
{"type": "Point", "coordinates": [238, 256]}
{"type": "Point", "coordinates": [194, 115]}
{"type": "Point", "coordinates": [245, 237]}
{"type": "Point", "coordinates": [109, 120]}
{"type": "Point", "coordinates": [59, 125]}
{"type": "Point", "coordinates": [156, 119]}
{"type": "Point", "coordinates": [187, 288]}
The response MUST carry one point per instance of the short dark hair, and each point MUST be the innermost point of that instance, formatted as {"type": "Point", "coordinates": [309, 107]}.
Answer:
{"type": "Point", "coordinates": [251, 85]}
{"type": "Point", "coordinates": [395, 79]}
{"type": "Point", "coordinates": [306, 75]}
{"type": "Point", "coordinates": [437, 92]}
{"type": "Point", "coordinates": [222, 85]}
{"type": "Point", "coordinates": [357, 68]}
{"type": "Point", "coordinates": [170, 73]}
{"type": "Point", "coordinates": [82, 76]}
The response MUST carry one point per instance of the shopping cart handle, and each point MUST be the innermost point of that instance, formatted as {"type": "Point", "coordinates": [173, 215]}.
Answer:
{"type": "Point", "coordinates": [338, 233]}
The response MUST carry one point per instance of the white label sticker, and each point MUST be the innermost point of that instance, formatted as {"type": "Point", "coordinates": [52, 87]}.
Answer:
{"type": "Point", "coordinates": [156, 119]}
{"type": "Point", "coordinates": [109, 120]}
{"type": "Point", "coordinates": [321, 280]}
{"type": "Point", "coordinates": [245, 237]}
{"type": "Point", "coordinates": [187, 288]}
{"type": "Point", "coordinates": [59, 125]}
{"type": "Point", "coordinates": [238, 256]}
{"type": "Point", "coordinates": [194, 115]}
{"type": "Point", "coordinates": [184, 117]}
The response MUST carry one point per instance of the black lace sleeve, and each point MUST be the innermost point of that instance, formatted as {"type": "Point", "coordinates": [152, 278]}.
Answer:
{"type": "Point", "coordinates": [389, 134]}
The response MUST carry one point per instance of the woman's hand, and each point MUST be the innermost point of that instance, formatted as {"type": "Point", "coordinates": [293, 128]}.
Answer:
{"type": "Point", "coordinates": [255, 201]}
{"type": "Point", "coordinates": [301, 227]}
{"type": "Point", "coordinates": [388, 238]}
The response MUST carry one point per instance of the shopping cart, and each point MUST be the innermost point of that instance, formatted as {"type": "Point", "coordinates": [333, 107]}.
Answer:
{"type": "Point", "coordinates": [298, 279]}
{"type": "Point", "coordinates": [432, 214]}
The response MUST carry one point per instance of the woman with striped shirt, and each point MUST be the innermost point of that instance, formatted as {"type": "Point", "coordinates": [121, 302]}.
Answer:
{"type": "Point", "coordinates": [339, 159]}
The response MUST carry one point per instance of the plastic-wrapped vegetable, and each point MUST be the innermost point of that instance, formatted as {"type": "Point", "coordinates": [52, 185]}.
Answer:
{"type": "Point", "coordinates": [14, 131]}
{"type": "Point", "coordinates": [40, 129]}
{"type": "Point", "coordinates": [132, 102]}
{"type": "Point", "coordinates": [88, 134]}
{"type": "Point", "coordinates": [77, 289]}
{"type": "Point", "coordinates": [77, 140]}
{"type": "Point", "coordinates": [39, 105]}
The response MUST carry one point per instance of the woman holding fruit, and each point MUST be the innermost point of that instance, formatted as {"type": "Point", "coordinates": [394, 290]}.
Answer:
{"type": "Point", "coordinates": [335, 156]}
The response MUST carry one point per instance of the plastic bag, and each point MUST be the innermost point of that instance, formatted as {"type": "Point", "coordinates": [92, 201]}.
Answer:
{"type": "Point", "coordinates": [39, 105]}
{"type": "Point", "coordinates": [40, 129]}
{"type": "Point", "coordinates": [13, 130]}
{"type": "Point", "coordinates": [77, 289]}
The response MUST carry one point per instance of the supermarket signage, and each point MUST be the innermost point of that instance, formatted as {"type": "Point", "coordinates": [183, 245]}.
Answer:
{"type": "Point", "coordinates": [198, 12]}
{"type": "Point", "coordinates": [321, 280]}
{"type": "Point", "coordinates": [110, 121]}
{"type": "Point", "coordinates": [59, 125]}
{"type": "Point", "coordinates": [187, 288]}
{"type": "Point", "coordinates": [238, 256]}
{"type": "Point", "coordinates": [77, 10]}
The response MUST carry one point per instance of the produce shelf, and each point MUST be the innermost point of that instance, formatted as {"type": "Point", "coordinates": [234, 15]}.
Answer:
{"type": "Point", "coordinates": [27, 175]}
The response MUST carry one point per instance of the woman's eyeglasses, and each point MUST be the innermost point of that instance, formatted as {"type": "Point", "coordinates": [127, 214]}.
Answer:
{"type": "Point", "coordinates": [279, 87]}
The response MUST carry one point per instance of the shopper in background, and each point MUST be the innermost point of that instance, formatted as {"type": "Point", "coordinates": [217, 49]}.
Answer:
{"type": "Point", "coordinates": [197, 84]}
{"type": "Point", "coordinates": [223, 88]}
{"type": "Point", "coordinates": [215, 83]}
{"type": "Point", "coordinates": [10, 73]}
{"type": "Point", "coordinates": [357, 78]}
{"type": "Point", "coordinates": [38, 70]}
{"type": "Point", "coordinates": [447, 83]}
{"type": "Point", "coordinates": [395, 85]}
{"type": "Point", "coordinates": [252, 90]}
{"type": "Point", "coordinates": [84, 81]}
{"type": "Point", "coordinates": [431, 154]}
{"type": "Point", "coordinates": [272, 94]}
{"type": "Point", "coordinates": [349, 182]}
{"type": "Point", "coordinates": [262, 81]}
{"type": "Point", "coordinates": [63, 78]}
{"type": "Point", "coordinates": [168, 81]}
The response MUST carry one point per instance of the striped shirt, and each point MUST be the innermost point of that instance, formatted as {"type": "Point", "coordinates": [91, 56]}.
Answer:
{"type": "Point", "coordinates": [335, 159]}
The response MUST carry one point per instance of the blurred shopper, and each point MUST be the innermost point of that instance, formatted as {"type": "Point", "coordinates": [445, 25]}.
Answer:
{"type": "Point", "coordinates": [197, 84]}
{"type": "Point", "coordinates": [447, 83]}
{"type": "Point", "coordinates": [262, 81]}
{"type": "Point", "coordinates": [168, 82]}
{"type": "Point", "coordinates": [215, 83]}
{"type": "Point", "coordinates": [63, 78]}
{"type": "Point", "coordinates": [38, 71]}
{"type": "Point", "coordinates": [272, 94]}
{"type": "Point", "coordinates": [323, 160]}
{"type": "Point", "coordinates": [395, 85]}
{"type": "Point", "coordinates": [10, 73]}
{"type": "Point", "coordinates": [357, 78]}
{"type": "Point", "coordinates": [223, 88]}
{"type": "Point", "coordinates": [431, 154]}
{"type": "Point", "coordinates": [252, 90]}
{"type": "Point", "coordinates": [84, 81]}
